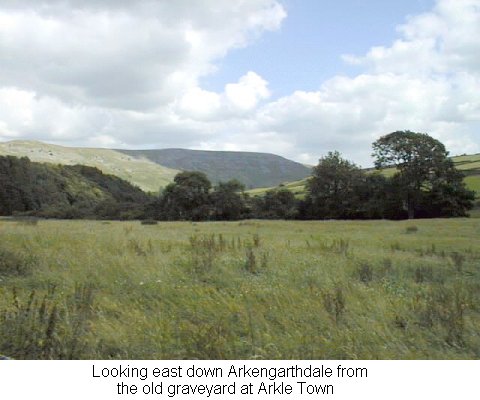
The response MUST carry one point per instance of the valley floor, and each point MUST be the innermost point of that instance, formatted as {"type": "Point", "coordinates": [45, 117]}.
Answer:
{"type": "Point", "coordinates": [240, 290]}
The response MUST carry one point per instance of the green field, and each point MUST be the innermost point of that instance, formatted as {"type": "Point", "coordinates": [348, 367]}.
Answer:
{"type": "Point", "coordinates": [240, 290]}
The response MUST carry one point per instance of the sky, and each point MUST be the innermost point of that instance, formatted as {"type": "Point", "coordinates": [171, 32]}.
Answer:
{"type": "Point", "coordinates": [298, 78]}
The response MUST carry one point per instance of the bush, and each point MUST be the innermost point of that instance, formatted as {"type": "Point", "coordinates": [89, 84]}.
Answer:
{"type": "Point", "coordinates": [411, 229]}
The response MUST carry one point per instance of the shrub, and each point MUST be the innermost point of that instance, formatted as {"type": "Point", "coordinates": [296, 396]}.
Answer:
{"type": "Point", "coordinates": [411, 229]}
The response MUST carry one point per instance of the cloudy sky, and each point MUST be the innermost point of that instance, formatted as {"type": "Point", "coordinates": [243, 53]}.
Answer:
{"type": "Point", "coordinates": [296, 78]}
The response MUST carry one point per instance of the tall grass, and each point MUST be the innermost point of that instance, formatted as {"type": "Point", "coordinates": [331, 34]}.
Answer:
{"type": "Point", "coordinates": [250, 289]}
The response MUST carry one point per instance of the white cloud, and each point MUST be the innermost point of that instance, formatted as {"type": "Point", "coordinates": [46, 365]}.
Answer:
{"type": "Point", "coordinates": [108, 73]}
{"type": "Point", "coordinates": [246, 94]}
{"type": "Point", "coordinates": [428, 80]}
{"type": "Point", "coordinates": [236, 100]}
{"type": "Point", "coordinates": [120, 55]}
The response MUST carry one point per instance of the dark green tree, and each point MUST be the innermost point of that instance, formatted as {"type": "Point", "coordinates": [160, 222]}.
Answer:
{"type": "Point", "coordinates": [187, 198]}
{"type": "Point", "coordinates": [423, 168]}
{"type": "Point", "coordinates": [448, 195]}
{"type": "Point", "coordinates": [57, 191]}
{"type": "Point", "coordinates": [333, 188]}
{"type": "Point", "coordinates": [379, 197]}
{"type": "Point", "coordinates": [228, 200]}
{"type": "Point", "coordinates": [280, 204]}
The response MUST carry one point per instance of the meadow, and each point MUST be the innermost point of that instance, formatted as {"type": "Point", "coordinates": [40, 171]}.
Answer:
{"type": "Point", "coordinates": [240, 290]}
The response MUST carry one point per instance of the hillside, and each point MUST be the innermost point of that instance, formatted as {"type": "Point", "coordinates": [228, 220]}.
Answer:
{"type": "Point", "coordinates": [64, 191]}
{"type": "Point", "coordinates": [154, 169]}
{"type": "Point", "coordinates": [141, 172]}
{"type": "Point", "coordinates": [468, 164]}
{"type": "Point", "coordinates": [252, 169]}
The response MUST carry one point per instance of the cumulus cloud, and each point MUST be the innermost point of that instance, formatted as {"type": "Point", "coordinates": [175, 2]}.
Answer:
{"type": "Point", "coordinates": [120, 55]}
{"type": "Point", "coordinates": [428, 80]}
{"type": "Point", "coordinates": [236, 100]}
{"type": "Point", "coordinates": [110, 73]}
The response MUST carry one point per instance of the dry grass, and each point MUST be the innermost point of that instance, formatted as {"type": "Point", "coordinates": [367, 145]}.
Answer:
{"type": "Point", "coordinates": [250, 289]}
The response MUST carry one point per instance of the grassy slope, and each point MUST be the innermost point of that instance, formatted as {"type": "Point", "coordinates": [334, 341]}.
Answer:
{"type": "Point", "coordinates": [319, 290]}
{"type": "Point", "coordinates": [469, 165]}
{"type": "Point", "coordinates": [141, 172]}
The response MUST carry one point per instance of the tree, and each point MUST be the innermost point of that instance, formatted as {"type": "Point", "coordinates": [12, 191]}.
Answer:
{"type": "Point", "coordinates": [423, 167]}
{"type": "Point", "coordinates": [379, 197]}
{"type": "Point", "coordinates": [332, 189]}
{"type": "Point", "coordinates": [448, 195]}
{"type": "Point", "coordinates": [279, 203]}
{"type": "Point", "coordinates": [228, 200]}
{"type": "Point", "coordinates": [187, 198]}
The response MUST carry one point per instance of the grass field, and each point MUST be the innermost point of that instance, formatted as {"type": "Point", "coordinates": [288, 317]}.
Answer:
{"type": "Point", "coordinates": [242, 290]}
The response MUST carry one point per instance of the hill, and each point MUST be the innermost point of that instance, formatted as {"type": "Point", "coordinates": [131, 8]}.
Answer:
{"type": "Point", "coordinates": [64, 191]}
{"type": "Point", "coordinates": [252, 169]}
{"type": "Point", "coordinates": [154, 169]}
{"type": "Point", "coordinates": [145, 174]}
{"type": "Point", "coordinates": [468, 164]}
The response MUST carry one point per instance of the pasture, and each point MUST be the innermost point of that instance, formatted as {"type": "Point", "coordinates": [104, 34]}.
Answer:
{"type": "Point", "coordinates": [240, 290]}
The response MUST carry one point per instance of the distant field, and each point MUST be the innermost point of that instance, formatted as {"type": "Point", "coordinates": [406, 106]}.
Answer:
{"type": "Point", "coordinates": [240, 290]}
{"type": "Point", "coordinates": [297, 188]}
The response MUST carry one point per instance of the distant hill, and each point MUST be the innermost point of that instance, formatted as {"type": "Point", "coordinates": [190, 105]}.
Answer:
{"type": "Point", "coordinates": [141, 172]}
{"type": "Point", "coordinates": [253, 169]}
{"type": "Point", "coordinates": [151, 170]}
{"type": "Point", "coordinates": [468, 164]}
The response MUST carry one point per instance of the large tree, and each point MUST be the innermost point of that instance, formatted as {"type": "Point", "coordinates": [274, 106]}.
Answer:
{"type": "Point", "coordinates": [333, 188]}
{"type": "Point", "coordinates": [423, 170]}
{"type": "Point", "coordinates": [187, 198]}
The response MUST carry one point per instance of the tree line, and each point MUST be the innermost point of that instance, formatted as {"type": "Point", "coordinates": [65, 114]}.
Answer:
{"type": "Point", "coordinates": [422, 183]}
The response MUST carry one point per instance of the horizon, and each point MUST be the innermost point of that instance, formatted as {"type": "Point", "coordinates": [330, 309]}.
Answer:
{"type": "Point", "coordinates": [202, 150]}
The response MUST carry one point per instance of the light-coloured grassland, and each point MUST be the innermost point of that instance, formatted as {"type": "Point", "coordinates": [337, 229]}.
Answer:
{"type": "Point", "coordinates": [240, 290]}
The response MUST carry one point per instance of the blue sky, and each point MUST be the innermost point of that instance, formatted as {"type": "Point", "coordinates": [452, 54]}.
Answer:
{"type": "Point", "coordinates": [307, 49]}
{"type": "Point", "coordinates": [298, 78]}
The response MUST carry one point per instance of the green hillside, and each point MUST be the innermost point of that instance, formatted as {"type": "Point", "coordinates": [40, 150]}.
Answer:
{"type": "Point", "coordinates": [252, 169]}
{"type": "Point", "coordinates": [139, 171]}
{"type": "Point", "coordinates": [468, 164]}
{"type": "Point", "coordinates": [64, 191]}
{"type": "Point", "coordinates": [154, 169]}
